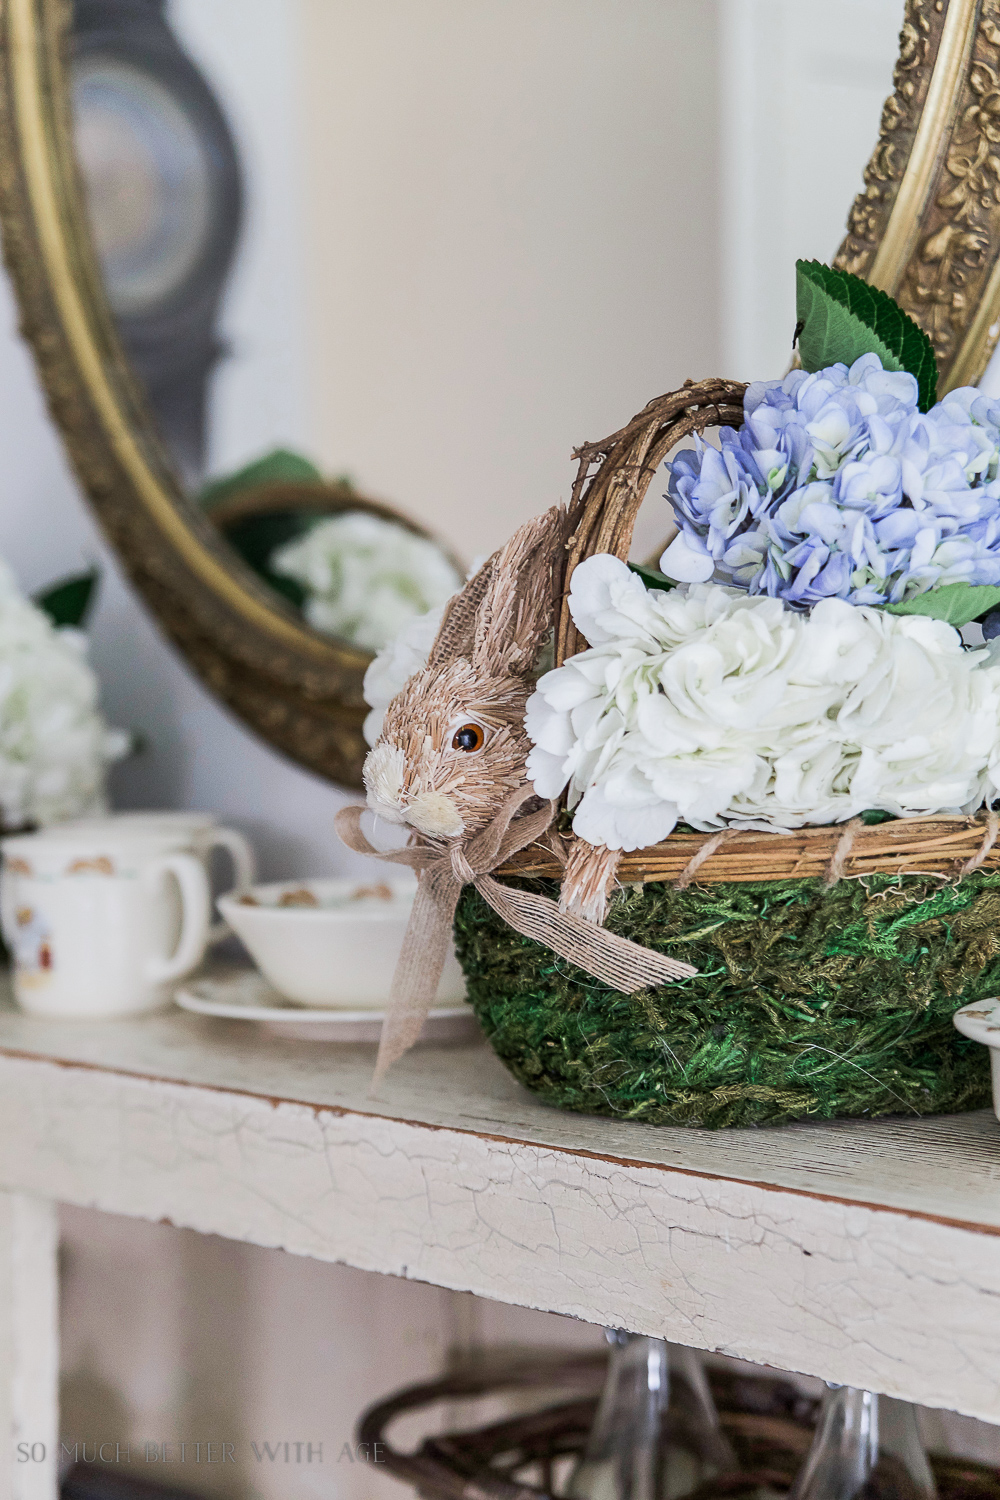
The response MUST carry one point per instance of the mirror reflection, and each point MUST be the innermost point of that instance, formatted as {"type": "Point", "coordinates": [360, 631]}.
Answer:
{"type": "Point", "coordinates": [408, 242]}
{"type": "Point", "coordinates": [164, 181]}
{"type": "Point", "coordinates": [358, 574]}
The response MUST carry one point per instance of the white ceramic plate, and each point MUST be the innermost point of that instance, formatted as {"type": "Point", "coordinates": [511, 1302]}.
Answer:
{"type": "Point", "coordinates": [245, 995]}
{"type": "Point", "coordinates": [981, 1022]}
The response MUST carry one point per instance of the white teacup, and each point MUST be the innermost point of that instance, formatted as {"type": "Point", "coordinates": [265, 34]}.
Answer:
{"type": "Point", "coordinates": [102, 920]}
{"type": "Point", "coordinates": [202, 835]}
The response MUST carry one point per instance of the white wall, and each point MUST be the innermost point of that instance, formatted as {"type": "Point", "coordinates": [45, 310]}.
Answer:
{"type": "Point", "coordinates": [803, 86]}
{"type": "Point", "coordinates": [514, 239]}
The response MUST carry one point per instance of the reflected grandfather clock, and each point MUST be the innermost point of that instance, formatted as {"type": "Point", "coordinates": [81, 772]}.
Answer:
{"type": "Point", "coordinates": [164, 194]}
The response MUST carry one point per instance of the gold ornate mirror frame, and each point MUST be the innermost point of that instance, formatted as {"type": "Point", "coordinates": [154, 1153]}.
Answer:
{"type": "Point", "coordinates": [926, 228]}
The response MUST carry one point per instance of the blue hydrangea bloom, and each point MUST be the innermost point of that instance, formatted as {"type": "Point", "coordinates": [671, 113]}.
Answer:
{"type": "Point", "coordinates": [838, 486]}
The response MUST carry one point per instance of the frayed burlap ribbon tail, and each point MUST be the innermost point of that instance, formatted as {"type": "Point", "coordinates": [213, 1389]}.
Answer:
{"type": "Point", "coordinates": [444, 869]}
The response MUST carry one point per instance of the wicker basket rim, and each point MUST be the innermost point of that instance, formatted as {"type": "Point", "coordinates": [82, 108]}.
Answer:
{"type": "Point", "coordinates": [943, 844]}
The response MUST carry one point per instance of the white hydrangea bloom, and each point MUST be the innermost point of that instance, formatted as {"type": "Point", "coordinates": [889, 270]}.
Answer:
{"type": "Point", "coordinates": [716, 707]}
{"type": "Point", "coordinates": [365, 577]}
{"type": "Point", "coordinates": [54, 744]}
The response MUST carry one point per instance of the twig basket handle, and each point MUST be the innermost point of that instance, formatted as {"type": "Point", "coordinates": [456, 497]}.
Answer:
{"type": "Point", "coordinates": [614, 475]}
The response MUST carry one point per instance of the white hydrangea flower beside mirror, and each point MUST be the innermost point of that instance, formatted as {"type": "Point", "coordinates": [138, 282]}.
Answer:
{"type": "Point", "coordinates": [55, 745]}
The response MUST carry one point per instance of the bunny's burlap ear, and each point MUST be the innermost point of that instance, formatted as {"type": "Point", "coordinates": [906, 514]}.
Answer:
{"type": "Point", "coordinates": [518, 605]}
{"type": "Point", "coordinates": [457, 632]}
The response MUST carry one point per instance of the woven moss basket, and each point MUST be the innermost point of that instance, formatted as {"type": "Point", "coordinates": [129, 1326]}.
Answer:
{"type": "Point", "coordinates": [809, 1003]}
{"type": "Point", "coordinates": [830, 961]}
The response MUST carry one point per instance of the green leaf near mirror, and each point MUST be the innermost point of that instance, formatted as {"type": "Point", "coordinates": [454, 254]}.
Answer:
{"type": "Point", "coordinates": [257, 538]}
{"type": "Point", "coordinates": [69, 601]}
{"type": "Point", "coordinates": [955, 603]}
{"type": "Point", "coordinates": [841, 317]}
{"type": "Point", "coordinates": [281, 466]}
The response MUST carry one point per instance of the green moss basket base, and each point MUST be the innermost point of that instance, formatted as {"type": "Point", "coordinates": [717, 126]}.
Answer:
{"type": "Point", "coordinates": [809, 1003]}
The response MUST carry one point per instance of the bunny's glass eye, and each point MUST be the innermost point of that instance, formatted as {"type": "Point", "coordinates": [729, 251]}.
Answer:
{"type": "Point", "coordinates": [469, 737]}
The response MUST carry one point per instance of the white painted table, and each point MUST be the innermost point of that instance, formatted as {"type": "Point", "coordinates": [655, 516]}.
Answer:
{"type": "Point", "coordinates": [864, 1253]}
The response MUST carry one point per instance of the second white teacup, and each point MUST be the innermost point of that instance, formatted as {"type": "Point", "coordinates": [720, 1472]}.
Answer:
{"type": "Point", "coordinates": [102, 921]}
{"type": "Point", "coordinates": [201, 834]}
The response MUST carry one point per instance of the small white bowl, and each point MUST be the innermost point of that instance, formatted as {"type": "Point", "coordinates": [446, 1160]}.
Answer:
{"type": "Point", "coordinates": [336, 947]}
{"type": "Point", "coordinates": [981, 1022]}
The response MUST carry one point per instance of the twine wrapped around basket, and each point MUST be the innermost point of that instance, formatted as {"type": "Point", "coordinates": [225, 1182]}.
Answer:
{"type": "Point", "coordinates": [830, 960]}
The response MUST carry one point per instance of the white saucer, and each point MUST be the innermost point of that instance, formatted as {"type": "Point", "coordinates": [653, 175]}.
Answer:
{"type": "Point", "coordinates": [245, 995]}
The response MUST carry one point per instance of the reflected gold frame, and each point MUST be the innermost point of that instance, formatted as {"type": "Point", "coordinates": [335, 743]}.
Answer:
{"type": "Point", "coordinates": [926, 228]}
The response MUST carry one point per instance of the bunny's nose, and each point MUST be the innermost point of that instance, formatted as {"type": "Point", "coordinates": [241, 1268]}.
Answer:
{"type": "Point", "coordinates": [433, 813]}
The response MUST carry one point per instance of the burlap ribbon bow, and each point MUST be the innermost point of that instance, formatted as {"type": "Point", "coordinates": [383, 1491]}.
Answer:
{"type": "Point", "coordinates": [443, 870]}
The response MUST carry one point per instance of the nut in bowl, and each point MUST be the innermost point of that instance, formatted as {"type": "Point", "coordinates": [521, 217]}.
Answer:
{"type": "Point", "coordinates": [331, 943]}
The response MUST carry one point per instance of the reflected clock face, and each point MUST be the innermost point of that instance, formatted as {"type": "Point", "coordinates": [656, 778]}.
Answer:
{"type": "Point", "coordinates": [148, 178]}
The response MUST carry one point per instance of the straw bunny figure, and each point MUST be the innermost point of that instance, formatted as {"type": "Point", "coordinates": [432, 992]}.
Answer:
{"type": "Point", "coordinates": [450, 764]}
{"type": "Point", "coordinates": [453, 743]}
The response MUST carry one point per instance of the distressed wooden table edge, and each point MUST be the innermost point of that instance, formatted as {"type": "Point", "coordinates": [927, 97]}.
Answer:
{"type": "Point", "coordinates": [493, 1130]}
{"type": "Point", "coordinates": [945, 1169]}
{"type": "Point", "coordinates": [859, 1294]}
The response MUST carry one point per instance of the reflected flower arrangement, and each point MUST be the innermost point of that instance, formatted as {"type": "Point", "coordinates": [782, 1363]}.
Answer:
{"type": "Point", "coordinates": [366, 578]}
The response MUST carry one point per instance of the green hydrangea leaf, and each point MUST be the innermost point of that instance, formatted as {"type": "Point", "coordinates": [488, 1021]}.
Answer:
{"type": "Point", "coordinates": [956, 603]}
{"type": "Point", "coordinates": [652, 578]}
{"type": "Point", "coordinates": [68, 601]}
{"type": "Point", "coordinates": [841, 317]}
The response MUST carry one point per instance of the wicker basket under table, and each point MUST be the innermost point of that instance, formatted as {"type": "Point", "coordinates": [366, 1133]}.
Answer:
{"type": "Point", "coordinates": [769, 1422]}
{"type": "Point", "coordinates": [830, 960]}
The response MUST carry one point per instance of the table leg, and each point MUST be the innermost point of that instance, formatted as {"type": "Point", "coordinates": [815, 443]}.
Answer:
{"type": "Point", "coordinates": [29, 1348]}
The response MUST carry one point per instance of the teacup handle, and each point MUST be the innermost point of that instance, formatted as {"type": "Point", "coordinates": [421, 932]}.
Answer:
{"type": "Point", "coordinates": [244, 870]}
{"type": "Point", "coordinates": [196, 911]}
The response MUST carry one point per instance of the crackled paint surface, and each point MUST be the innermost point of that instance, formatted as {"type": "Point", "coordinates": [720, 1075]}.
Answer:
{"type": "Point", "coordinates": [861, 1294]}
